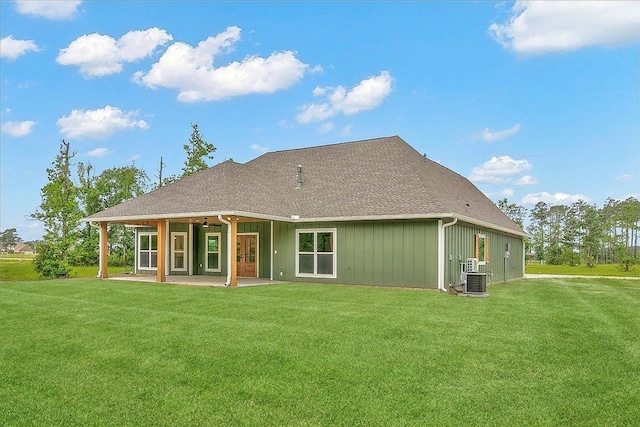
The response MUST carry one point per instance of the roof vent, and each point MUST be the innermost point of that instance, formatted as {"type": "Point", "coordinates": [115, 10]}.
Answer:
{"type": "Point", "coordinates": [299, 177]}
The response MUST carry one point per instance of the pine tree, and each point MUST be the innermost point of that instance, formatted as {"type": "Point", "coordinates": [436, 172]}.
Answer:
{"type": "Point", "coordinates": [60, 214]}
{"type": "Point", "coordinates": [197, 151]}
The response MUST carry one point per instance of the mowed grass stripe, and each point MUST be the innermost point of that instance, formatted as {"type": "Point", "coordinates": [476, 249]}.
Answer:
{"type": "Point", "coordinates": [544, 352]}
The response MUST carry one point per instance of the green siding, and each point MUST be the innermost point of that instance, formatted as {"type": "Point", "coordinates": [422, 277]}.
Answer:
{"type": "Point", "coordinates": [460, 245]}
{"type": "Point", "coordinates": [388, 253]}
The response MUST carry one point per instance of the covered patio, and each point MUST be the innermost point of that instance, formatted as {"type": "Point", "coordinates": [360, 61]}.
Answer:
{"type": "Point", "coordinates": [213, 281]}
{"type": "Point", "coordinates": [236, 276]}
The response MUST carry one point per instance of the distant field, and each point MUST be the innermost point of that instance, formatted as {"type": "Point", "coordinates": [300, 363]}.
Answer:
{"type": "Point", "coordinates": [20, 267]}
{"type": "Point", "coordinates": [536, 352]}
{"type": "Point", "coordinates": [581, 270]}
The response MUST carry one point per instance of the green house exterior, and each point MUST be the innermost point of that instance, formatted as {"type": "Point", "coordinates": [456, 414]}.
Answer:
{"type": "Point", "coordinates": [372, 212]}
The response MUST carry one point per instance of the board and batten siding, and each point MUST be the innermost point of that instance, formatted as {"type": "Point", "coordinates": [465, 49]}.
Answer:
{"type": "Point", "coordinates": [460, 245]}
{"type": "Point", "coordinates": [386, 253]}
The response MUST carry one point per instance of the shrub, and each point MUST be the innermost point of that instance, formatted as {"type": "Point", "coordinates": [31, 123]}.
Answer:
{"type": "Point", "coordinates": [82, 256]}
{"type": "Point", "coordinates": [121, 259]}
{"type": "Point", "coordinates": [49, 263]}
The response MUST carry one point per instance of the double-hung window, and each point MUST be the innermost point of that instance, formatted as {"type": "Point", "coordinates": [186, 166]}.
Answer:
{"type": "Point", "coordinates": [179, 251]}
{"type": "Point", "coordinates": [482, 249]}
{"type": "Point", "coordinates": [147, 251]}
{"type": "Point", "coordinates": [212, 257]}
{"type": "Point", "coordinates": [316, 253]}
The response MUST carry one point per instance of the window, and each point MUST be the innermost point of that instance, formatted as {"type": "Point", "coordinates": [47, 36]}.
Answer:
{"type": "Point", "coordinates": [316, 253]}
{"type": "Point", "coordinates": [212, 256]}
{"type": "Point", "coordinates": [147, 251]}
{"type": "Point", "coordinates": [482, 249]}
{"type": "Point", "coordinates": [178, 251]}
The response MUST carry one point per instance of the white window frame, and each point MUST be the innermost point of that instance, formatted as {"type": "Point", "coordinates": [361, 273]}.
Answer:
{"type": "Point", "coordinates": [483, 258]}
{"type": "Point", "coordinates": [184, 251]}
{"type": "Point", "coordinates": [206, 252]}
{"type": "Point", "coordinates": [148, 234]}
{"type": "Point", "coordinates": [315, 252]}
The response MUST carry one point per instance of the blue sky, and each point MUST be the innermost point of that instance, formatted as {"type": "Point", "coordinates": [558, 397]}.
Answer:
{"type": "Point", "coordinates": [531, 101]}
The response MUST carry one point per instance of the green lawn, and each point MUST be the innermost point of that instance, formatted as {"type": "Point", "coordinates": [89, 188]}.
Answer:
{"type": "Point", "coordinates": [84, 352]}
{"type": "Point", "coordinates": [20, 267]}
{"type": "Point", "coordinates": [583, 270]}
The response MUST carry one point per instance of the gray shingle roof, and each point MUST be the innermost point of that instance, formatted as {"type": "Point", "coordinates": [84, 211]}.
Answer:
{"type": "Point", "coordinates": [375, 178]}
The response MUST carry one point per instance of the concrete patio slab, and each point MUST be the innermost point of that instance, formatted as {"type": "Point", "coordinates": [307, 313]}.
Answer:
{"type": "Point", "coordinates": [214, 281]}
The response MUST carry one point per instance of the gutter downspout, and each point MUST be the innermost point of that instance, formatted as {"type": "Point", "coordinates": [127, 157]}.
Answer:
{"type": "Point", "coordinates": [441, 242]}
{"type": "Point", "coordinates": [97, 227]}
{"type": "Point", "coordinates": [228, 224]}
{"type": "Point", "coordinates": [271, 256]}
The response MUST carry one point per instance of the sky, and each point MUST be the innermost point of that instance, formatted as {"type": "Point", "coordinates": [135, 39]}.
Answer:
{"type": "Point", "coordinates": [532, 101]}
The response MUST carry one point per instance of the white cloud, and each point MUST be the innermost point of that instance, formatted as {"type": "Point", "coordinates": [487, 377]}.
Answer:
{"type": "Point", "coordinates": [539, 27]}
{"type": "Point", "coordinates": [527, 180]}
{"type": "Point", "coordinates": [325, 127]}
{"type": "Point", "coordinates": [346, 131]}
{"type": "Point", "coordinates": [11, 48]}
{"type": "Point", "coordinates": [191, 70]}
{"type": "Point", "coordinates": [625, 177]}
{"type": "Point", "coordinates": [492, 136]}
{"type": "Point", "coordinates": [259, 149]}
{"type": "Point", "coordinates": [100, 55]}
{"type": "Point", "coordinates": [507, 192]}
{"type": "Point", "coordinates": [17, 129]}
{"type": "Point", "coordinates": [499, 170]}
{"type": "Point", "coordinates": [319, 91]}
{"type": "Point", "coordinates": [553, 199]}
{"type": "Point", "coordinates": [99, 123]}
{"type": "Point", "coordinates": [366, 95]}
{"type": "Point", "coordinates": [134, 157]}
{"type": "Point", "coordinates": [56, 10]}
{"type": "Point", "coordinates": [98, 152]}
{"type": "Point", "coordinates": [285, 124]}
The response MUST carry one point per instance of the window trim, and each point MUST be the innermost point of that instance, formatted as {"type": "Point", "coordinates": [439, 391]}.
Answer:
{"type": "Point", "coordinates": [184, 251]}
{"type": "Point", "coordinates": [148, 234]}
{"type": "Point", "coordinates": [315, 252]}
{"type": "Point", "coordinates": [485, 258]}
{"type": "Point", "coordinates": [206, 253]}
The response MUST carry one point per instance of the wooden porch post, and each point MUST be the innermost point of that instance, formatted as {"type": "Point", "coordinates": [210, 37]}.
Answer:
{"type": "Point", "coordinates": [234, 251]}
{"type": "Point", "coordinates": [162, 231]}
{"type": "Point", "coordinates": [104, 243]}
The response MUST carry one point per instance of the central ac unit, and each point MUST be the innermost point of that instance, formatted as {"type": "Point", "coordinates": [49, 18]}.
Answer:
{"type": "Point", "coordinates": [472, 265]}
{"type": "Point", "coordinates": [476, 283]}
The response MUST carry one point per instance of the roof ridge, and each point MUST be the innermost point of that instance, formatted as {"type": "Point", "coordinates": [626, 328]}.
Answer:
{"type": "Point", "coordinates": [333, 144]}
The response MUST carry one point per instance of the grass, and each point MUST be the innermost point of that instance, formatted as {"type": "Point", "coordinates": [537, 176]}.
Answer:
{"type": "Point", "coordinates": [536, 352]}
{"type": "Point", "coordinates": [14, 267]}
{"type": "Point", "coordinates": [609, 270]}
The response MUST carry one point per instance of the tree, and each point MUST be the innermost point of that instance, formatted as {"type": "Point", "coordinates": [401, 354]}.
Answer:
{"type": "Point", "coordinates": [628, 216]}
{"type": "Point", "coordinates": [59, 210]}
{"type": "Point", "coordinates": [9, 238]}
{"type": "Point", "coordinates": [539, 217]}
{"type": "Point", "coordinates": [590, 232]}
{"type": "Point", "coordinates": [113, 186]}
{"type": "Point", "coordinates": [514, 211]}
{"type": "Point", "coordinates": [197, 151]}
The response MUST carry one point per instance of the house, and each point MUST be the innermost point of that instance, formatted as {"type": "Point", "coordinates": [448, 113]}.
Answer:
{"type": "Point", "coordinates": [18, 248]}
{"type": "Point", "coordinates": [366, 212]}
{"type": "Point", "coordinates": [22, 248]}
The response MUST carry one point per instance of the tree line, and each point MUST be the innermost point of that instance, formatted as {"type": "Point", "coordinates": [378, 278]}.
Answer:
{"type": "Point", "coordinates": [580, 233]}
{"type": "Point", "coordinates": [65, 201]}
